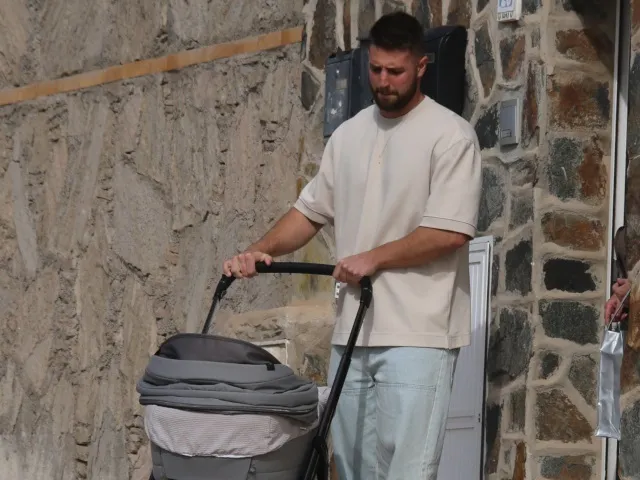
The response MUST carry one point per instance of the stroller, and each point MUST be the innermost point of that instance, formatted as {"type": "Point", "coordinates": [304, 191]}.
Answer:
{"type": "Point", "coordinates": [219, 408]}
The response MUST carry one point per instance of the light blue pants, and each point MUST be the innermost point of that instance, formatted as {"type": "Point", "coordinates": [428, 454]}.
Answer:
{"type": "Point", "coordinates": [391, 415]}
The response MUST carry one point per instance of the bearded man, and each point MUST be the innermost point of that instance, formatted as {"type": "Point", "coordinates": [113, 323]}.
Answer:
{"type": "Point", "coordinates": [400, 183]}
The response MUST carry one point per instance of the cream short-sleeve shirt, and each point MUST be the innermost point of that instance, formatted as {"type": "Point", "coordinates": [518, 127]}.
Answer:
{"type": "Point", "coordinates": [378, 181]}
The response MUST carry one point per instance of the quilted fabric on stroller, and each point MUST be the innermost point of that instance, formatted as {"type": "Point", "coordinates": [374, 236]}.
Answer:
{"type": "Point", "coordinates": [224, 409]}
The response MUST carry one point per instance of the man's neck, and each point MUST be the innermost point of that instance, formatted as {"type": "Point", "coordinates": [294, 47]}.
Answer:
{"type": "Point", "coordinates": [413, 103]}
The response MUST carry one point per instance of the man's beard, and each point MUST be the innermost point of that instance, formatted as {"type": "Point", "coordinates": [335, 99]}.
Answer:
{"type": "Point", "coordinates": [395, 102]}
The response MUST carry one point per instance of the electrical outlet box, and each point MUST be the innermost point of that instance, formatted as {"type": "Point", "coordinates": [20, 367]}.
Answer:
{"type": "Point", "coordinates": [509, 10]}
{"type": "Point", "coordinates": [510, 122]}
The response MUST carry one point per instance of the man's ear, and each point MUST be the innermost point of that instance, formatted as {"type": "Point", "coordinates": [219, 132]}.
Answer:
{"type": "Point", "coordinates": [422, 65]}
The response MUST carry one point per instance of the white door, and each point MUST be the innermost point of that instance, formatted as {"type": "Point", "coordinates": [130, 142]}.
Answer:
{"type": "Point", "coordinates": [462, 453]}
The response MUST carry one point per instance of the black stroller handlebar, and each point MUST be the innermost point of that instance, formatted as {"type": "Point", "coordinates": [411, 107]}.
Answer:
{"type": "Point", "coordinates": [299, 268]}
{"type": "Point", "coordinates": [296, 267]}
{"type": "Point", "coordinates": [318, 462]}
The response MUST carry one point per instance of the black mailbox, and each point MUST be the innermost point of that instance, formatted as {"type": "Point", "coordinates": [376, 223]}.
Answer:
{"type": "Point", "coordinates": [444, 79]}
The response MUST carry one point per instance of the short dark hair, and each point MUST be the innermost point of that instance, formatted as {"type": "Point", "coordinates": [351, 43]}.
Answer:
{"type": "Point", "coordinates": [398, 31]}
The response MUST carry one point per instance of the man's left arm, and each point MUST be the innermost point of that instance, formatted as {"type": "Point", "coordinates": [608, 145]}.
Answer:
{"type": "Point", "coordinates": [449, 220]}
{"type": "Point", "coordinates": [421, 246]}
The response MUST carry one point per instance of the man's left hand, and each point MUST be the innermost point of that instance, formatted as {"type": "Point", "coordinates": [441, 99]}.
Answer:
{"type": "Point", "coordinates": [351, 269]}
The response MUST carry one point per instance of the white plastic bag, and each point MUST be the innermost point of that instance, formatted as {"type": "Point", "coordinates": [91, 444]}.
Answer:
{"type": "Point", "coordinates": [611, 352]}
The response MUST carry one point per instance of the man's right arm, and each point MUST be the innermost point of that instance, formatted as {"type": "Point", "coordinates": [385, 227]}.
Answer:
{"type": "Point", "coordinates": [292, 232]}
{"type": "Point", "coordinates": [313, 209]}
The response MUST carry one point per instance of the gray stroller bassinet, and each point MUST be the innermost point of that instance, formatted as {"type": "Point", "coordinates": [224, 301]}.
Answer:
{"type": "Point", "coordinates": [218, 408]}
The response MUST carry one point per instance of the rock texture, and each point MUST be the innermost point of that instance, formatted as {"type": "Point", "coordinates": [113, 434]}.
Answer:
{"type": "Point", "coordinates": [44, 40]}
{"type": "Point", "coordinates": [545, 201]}
{"type": "Point", "coordinates": [118, 204]}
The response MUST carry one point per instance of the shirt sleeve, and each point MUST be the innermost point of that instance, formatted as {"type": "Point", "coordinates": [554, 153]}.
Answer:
{"type": "Point", "coordinates": [455, 187]}
{"type": "Point", "coordinates": [316, 199]}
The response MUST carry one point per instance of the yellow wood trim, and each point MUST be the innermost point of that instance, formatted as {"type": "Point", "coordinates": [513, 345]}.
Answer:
{"type": "Point", "coordinates": [151, 66]}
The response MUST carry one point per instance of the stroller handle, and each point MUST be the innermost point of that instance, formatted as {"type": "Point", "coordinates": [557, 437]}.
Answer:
{"type": "Point", "coordinates": [296, 267]}
{"type": "Point", "coordinates": [318, 459]}
{"type": "Point", "coordinates": [366, 287]}
{"type": "Point", "coordinates": [303, 268]}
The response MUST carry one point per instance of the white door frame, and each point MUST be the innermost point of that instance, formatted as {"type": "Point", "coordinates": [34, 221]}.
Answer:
{"type": "Point", "coordinates": [480, 244]}
{"type": "Point", "coordinates": [461, 418]}
{"type": "Point", "coordinates": [617, 178]}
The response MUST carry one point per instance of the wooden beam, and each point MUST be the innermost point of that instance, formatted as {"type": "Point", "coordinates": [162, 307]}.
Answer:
{"type": "Point", "coordinates": [151, 66]}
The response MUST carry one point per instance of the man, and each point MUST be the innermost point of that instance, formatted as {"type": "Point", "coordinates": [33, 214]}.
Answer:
{"type": "Point", "coordinates": [400, 182]}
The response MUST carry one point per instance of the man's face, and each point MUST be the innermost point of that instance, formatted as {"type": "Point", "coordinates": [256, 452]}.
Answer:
{"type": "Point", "coordinates": [394, 77]}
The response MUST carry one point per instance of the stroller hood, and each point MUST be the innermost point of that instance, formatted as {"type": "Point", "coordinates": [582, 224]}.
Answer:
{"type": "Point", "coordinates": [220, 375]}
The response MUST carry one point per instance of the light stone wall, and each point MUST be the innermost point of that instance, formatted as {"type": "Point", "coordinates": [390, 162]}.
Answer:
{"type": "Point", "coordinates": [118, 204]}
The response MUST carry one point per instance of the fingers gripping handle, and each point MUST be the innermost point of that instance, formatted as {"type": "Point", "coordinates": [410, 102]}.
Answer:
{"type": "Point", "coordinates": [366, 288]}
{"type": "Point", "coordinates": [317, 465]}
{"type": "Point", "coordinates": [297, 268]}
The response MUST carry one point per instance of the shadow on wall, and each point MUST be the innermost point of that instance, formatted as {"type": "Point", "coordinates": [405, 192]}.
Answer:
{"type": "Point", "coordinates": [598, 37]}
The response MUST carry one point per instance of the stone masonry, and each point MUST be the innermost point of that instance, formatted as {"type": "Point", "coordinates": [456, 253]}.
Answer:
{"type": "Point", "coordinates": [545, 202]}
{"type": "Point", "coordinates": [119, 203]}
{"type": "Point", "coordinates": [629, 460]}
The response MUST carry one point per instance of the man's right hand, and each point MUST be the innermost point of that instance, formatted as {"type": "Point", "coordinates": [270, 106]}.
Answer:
{"type": "Point", "coordinates": [244, 265]}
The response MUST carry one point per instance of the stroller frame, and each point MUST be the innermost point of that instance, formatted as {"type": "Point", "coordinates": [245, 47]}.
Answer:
{"type": "Point", "coordinates": [317, 462]}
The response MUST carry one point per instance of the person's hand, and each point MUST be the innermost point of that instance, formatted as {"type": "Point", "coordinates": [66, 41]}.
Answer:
{"type": "Point", "coordinates": [351, 269]}
{"type": "Point", "coordinates": [620, 289]}
{"type": "Point", "coordinates": [610, 308]}
{"type": "Point", "coordinates": [244, 265]}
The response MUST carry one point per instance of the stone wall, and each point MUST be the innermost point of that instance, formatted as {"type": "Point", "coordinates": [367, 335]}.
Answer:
{"type": "Point", "coordinates": [546, 203]}
{"type": "Point", "coordinates": [629, 446]}
{"type": "Point", "coordinates": [119, 203]}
